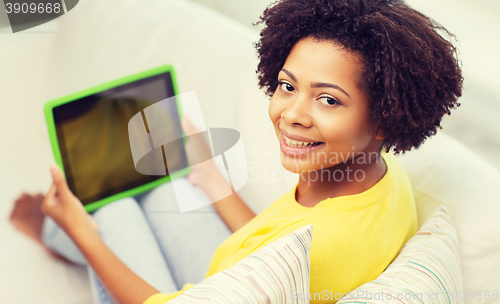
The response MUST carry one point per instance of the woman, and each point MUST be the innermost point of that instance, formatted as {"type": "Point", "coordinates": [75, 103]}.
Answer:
{"type": "Point", "coordinates": [349, 81]}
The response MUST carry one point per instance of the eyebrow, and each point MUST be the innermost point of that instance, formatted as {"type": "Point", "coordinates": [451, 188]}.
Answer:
{"type": "Point", "coordinates": [317, 84]}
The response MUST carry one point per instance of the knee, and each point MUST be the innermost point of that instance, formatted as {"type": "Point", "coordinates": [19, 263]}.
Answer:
{"type": "Point", "coordinates": [120, 209]}
{"type": "Point", "coordinates": [161, 198]}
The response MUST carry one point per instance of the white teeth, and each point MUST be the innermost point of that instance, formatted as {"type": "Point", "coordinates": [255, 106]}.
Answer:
{"type": "Point", "coordinates": [296, 143]}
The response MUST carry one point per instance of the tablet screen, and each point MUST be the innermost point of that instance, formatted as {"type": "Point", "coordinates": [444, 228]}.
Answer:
{"type": "Point", "coordinates": [93, 137]}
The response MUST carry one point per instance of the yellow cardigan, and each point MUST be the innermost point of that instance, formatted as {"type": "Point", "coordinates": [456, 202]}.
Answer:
{"type": "Point", "coordinates": [355, 237]}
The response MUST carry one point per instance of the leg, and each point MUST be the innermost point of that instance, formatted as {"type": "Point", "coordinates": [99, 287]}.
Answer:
{"type": "Point", "coordinates": [125, 231]}
{"type": "Point", "coordinates": [187, 240]}
{"type": "Point", "coordinates": [59, 242]}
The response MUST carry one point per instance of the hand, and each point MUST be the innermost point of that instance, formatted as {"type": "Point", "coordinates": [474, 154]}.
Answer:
{"type": "Point", "coordinates": [65, 208]}
{"type": "Point", "coordinates": [199, 154]}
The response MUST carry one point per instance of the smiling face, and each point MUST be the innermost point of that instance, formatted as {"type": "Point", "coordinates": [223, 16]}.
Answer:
{"type": "Point", "coordinates": [319, 104]}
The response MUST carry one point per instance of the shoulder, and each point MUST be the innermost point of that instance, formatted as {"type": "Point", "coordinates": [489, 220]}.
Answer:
{"type": "Point", "coordinates": [399, 181]}
{"type": "Point", "coordinates": [401, 208]}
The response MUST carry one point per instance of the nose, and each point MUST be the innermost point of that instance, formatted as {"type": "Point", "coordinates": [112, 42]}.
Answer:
{"type": "Point", "coordinates": [297, 112]}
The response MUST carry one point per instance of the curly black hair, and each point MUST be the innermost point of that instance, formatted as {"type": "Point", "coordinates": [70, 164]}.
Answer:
{"type": "Point", "coordinates": [411, 73]}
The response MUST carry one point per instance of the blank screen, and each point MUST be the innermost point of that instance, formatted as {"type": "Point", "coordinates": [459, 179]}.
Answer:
{"type": "Point", "coordinates": [93, 137]}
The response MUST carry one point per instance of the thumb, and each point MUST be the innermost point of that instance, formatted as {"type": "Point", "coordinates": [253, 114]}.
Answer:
{"type": "Point", "coordinates": [49, 201]}
{"type": "Point", "coordinates": [59, 181]}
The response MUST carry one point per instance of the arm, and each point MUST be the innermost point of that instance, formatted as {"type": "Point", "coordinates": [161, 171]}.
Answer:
{"type": "Point", "coordinates": [123, 285]}
{"type": "Point", "coordinates": [232, 209]}
{"type": "Point", "coordinates": [207, 177]}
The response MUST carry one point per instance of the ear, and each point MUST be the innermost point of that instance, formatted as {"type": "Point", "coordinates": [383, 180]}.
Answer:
{"type": "Point", "coordinates": [378, 134]}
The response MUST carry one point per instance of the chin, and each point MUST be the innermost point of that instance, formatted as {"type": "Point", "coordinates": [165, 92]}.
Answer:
{"type": "Point", "coordinates": [297, 167]}
{"type": "Point", "coordinates": [289, 168]}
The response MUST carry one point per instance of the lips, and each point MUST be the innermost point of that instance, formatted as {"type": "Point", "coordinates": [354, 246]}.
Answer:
{"type": "Point", "coordinates": [296, 137]}
{"type": "Point", "coordinates": [296, 151]}
{"type": "Point", "coordinates": [299, 144]}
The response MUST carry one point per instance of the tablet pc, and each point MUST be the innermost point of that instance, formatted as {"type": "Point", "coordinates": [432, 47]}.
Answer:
{"type": "Point", "coordinates": [88, 132]}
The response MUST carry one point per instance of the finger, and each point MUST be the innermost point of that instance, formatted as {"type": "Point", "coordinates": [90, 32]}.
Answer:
{"type": "Point", "coordinates": [52, 191]}
{"type": "Point", "coordinates": [185, 124]}
{"type": "Point", "coordinates": [188, 126]}
{"type": "Point", "coordinates": [50, 199]}
{"type": "Point", "coordinates": [60, 181]}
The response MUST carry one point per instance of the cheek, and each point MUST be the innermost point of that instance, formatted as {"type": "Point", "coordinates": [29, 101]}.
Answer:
{"type": "Point", "coordinates": [274, 110]}
{"type": "Point", "coordinates": [359, 131]}
{"type": "Point", "coordinates": [343, 129]}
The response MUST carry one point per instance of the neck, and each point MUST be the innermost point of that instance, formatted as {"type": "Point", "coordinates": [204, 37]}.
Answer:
{"type": "Point", "coordinates": [352, 177]}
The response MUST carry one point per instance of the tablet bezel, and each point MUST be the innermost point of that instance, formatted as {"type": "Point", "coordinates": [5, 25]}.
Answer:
{"type": "Point", "coordinates": [49, 117]}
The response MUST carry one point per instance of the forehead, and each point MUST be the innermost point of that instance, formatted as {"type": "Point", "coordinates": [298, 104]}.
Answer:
{"type": "Point", "coordinates": [314, 58]}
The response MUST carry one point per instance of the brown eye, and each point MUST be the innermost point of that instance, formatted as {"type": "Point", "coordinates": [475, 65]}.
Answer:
{"type": "Point", "coordinates": [285, 86]}
{"type": "Point", "coordinates": [329, 101]}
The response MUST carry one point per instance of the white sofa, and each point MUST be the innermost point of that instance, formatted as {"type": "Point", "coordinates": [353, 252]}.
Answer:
{"type": "Point", "coordinates": [213, 54]}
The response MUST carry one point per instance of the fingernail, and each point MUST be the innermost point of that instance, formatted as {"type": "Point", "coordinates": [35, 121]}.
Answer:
{"type": "Point", "coordinates": [53, 169]}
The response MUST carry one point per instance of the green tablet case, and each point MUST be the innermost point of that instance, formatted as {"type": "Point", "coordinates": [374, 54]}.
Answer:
{"type": "Point", "coordinates": [51, 124]}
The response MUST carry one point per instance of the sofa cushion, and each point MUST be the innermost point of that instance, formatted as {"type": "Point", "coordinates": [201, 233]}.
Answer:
{"type": "Point", "coordinates": [427, 270]}
{"type": "Point", "coordinates": [445, 172]}
{"type": "Point", "coordinates": [273, 274]}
